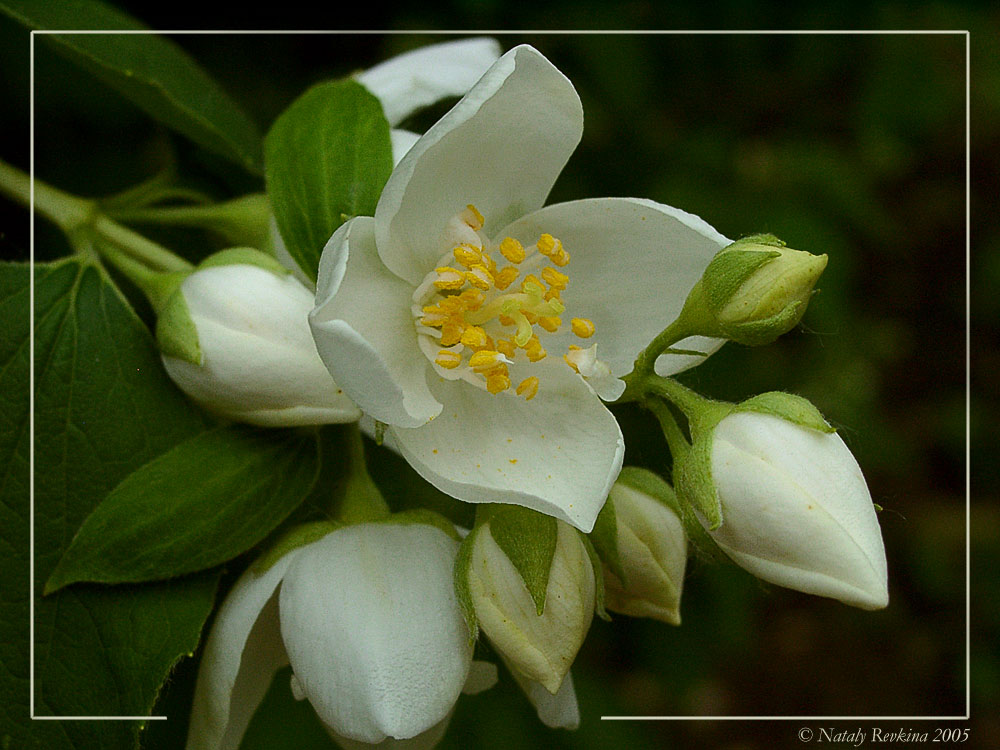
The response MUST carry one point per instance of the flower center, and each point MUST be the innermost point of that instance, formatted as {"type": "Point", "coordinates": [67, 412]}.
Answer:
{"type": "Point", "coordinates": [476, 317]}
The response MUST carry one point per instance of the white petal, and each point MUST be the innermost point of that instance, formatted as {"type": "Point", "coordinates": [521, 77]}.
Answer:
{"type": "Point", "coordinates": [559, 711]}
{"type": "Point", "coordinates": [482, 676]}
{"type": "Point", "coordinates": [373, 629]}
{"type": "Point", "coordinates": [558, 453]}
{"type": "Point", "coordinates": [797, 511]}
{"type": "Point", "coordinates": [500, 148]}
{"type": "Point", "coordinates": [416, 79]}
{"type": "Point", "coordinates": [364, 331]}
{"type": "Point", "coordinates": [632, 264]}
{"type": "Point", "coordinates": [402, 142]}
{"type": "Point", "coordinates": [242, 653]}
{"type": "Point", "coordinates": [426, 740]}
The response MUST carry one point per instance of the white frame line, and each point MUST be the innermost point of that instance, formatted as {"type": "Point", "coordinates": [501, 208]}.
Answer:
{"type": "Point", "coordinates": [498, 32]}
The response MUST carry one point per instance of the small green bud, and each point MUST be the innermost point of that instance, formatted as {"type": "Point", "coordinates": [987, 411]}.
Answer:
{"type": "Point", "coordinates": [754, 290]}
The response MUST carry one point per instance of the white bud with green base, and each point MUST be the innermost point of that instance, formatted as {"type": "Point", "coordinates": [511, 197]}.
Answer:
{"type": "Point", "coordinates": [780, 493]}
{"type": "Point", "coordinates": [235, 337]}
{"type": "Point", "coordinates": [640, 538]}
{"type": "Point", "coordinates": [752, 291]}
{"type": "Point", "coordinates": [528, 581]}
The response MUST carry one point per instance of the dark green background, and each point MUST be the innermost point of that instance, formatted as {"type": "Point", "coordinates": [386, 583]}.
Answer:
{"type": "Point", "coordinates": [851, 145]}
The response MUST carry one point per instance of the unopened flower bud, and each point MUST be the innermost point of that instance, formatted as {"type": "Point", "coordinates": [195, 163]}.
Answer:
{"type": "Point", "coordinates": [754, 290]}
{"type": "Point", "coordinates": [538, 642]}
{"type": "Point", "coordinates": [795, 509]}
{"type": "Point", "coordinates": [235, 337]}
{"type": "Point", "coordinates": [645, 552]}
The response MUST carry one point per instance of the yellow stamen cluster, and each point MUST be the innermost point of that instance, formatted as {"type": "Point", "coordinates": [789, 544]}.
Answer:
{"type": "Point", "coordinates": [474, 298]}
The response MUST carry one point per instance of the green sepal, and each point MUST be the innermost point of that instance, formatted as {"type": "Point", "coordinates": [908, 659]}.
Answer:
{"type": "Point", "coordinates": [727, 272]}
{"type": "Point", "coordinates": [761, 332]}
{"type": "Point", "coordinates": [528, 538]}
{"type": "Point", "coordinates": [176, 333]}
{"type": "Point", "coordinates": [160, 287]}
{"type": "Point", "coordinates": [292, 539]}
{"type": "Point", "coordinates": [764, 238]}
{"type": "Point", "coordinates": [704, 545]}
{"type": "Point", "coordinates": [789, 407]}
{"type": "Point", "coordinates": [694, 481]}
{"type": "Point", "coordinates": [604, 538]}
{"type": "Point", "coordinates": [595, 564]}
{"type": "Point", "coordinates": [461, 579]}
{"type": "Point", "coordinates": [244, 256]}
{"type": "Point", "coordinates": [426, 517]}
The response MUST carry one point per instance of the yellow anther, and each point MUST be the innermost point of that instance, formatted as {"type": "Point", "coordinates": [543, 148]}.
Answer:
{"type": "Point", "coordinates": [530, 316]}
{"type": "Point", "coordinates": [533, 348]}
{"type": "Point", "coordinates": [554, 278]}
{"type": "Point", "coordinates": [449, 278]}
{"type": "Point", "coordinates": [560, 258]}
{"type": "Point", "coordinates": [528, 388]}
{"type": "Point", "coordinates": [552, 293]}
{"type": "Point", "coordinates": [497, 382]}
{"type": "Point", "coordinates": [480, 277]}
{"type": "Point", "coordinates": [433, 321]}
{"type": "Point", "coordinates": [582, 327]}
{"type": "Point", "coordinates": [475, 337]}
{"type": "Point", "coordinates": [467, 255]}
{"type": "Point", "coordinates": [506, 348]}
{"type": "Point", "coordinates": [448, 359]}
{"type": "Point", "coordinates": [532, 284]}
{"type": "Point", "coordinates": [452, 305]}
{"type": "Point", "coordinates": [505, 277]}
{"type": "Point", "coordinates": [451, 332]}
{"type": "Point", "coordinates": [506, 320]}
{"type": "Point", "coordinates": [536, 354]}
{"type": "Point", "coordinates": [473, 298]}
{"type": "Point", "coordinates": [485, 360]}
{"type": "Point", "coordinates": [477, 219]}
{"type": "Point", "coordinates": [550, 323]}
{"type": "Point", "coordinates": [547, 244]}
{"type": "Point", "coordinates": [512, 250]}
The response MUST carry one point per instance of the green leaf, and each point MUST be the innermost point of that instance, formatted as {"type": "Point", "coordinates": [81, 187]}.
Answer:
{"type": "Point", "coordinates": [198, 505]}
{"type": "Point", "coordinates": [103, 407]}
{"type": "Point", "coordinates": [327, 156]}
{"type": "Point", "coordinates": [528, 538]}
{"type": "Point", "coordinates": [149, 70]}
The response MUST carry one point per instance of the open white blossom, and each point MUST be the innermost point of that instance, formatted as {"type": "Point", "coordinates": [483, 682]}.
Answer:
{"type": "Point", "coordinates": [481, 327]}
{"type": "Point", "coordinates": [368, 620]}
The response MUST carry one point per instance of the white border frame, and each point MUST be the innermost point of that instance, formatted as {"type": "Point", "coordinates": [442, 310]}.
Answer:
{"type": "Point", "coordinates": [497, 32]}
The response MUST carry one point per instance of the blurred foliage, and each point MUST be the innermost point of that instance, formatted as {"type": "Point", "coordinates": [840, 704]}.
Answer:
{"type": "Point", "coordinates": [851, 145]}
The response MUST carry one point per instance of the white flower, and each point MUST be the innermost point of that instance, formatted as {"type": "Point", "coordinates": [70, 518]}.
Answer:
{"type": "Point", "coordinates": [652, 551]}
{"type": "Point", "coordinates": [796, 509]}
{"type": "Point", "coordinates": [538, 648]}
{"type": "Point", "coordinates": [457, 317]}
{"type": "Point", "coordinates": [368, 619]}
{"type": "Point", "coordinates": [249, 355]}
